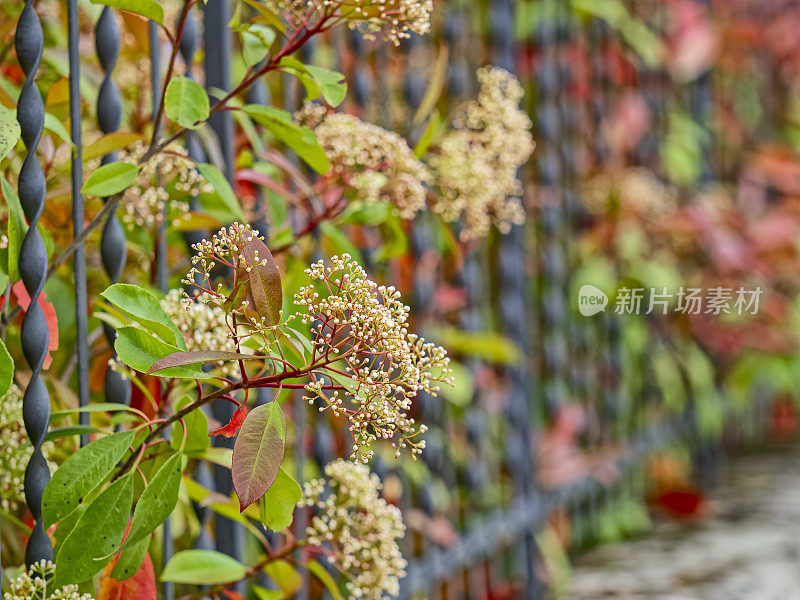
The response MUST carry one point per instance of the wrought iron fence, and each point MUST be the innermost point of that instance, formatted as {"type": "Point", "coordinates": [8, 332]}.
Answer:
{"type": "Point", "coordinates": [477, 503]}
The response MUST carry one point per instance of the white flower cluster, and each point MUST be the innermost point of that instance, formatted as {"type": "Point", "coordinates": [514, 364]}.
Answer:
{"type": "Point", "coordinates": [145, 203]}
{"type": "Point", "coordinates": [475, 164]}
{"type": "Point", "coordinates": [634, 191]}
{"type": "Point", "coordinates": [376, 164]}
{"type": "Point", "coordinates": [226, 248]}
{"type": "Point", "coordinates": [15, 450]}
{"type": "Point", "coordinates": [34, 584]}
{"type": "Point", "coordinates": [360, 527]}
{"type": "Point", "coordinates": [364, 327]}
{"type": "Point", "coordinates": [396, 19]}
{"type": "Point", "coordinates": [203, 327]}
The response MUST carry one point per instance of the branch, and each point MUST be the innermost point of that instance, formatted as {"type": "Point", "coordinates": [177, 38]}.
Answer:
{"type": "Point", "coordinates": [269, 381]}
{"type": "Point", "coordinates": [187, 6]}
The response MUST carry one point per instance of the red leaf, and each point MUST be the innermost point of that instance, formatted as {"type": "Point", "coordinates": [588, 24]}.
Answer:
{"type": "Point", "coordinates": [142, 586]}
{"type": "Point", "coordinates": [233, 425]}
{"type": "Point", "coordinates": [688, 503]}
{"type": "Point", "coordinates": [24, 300]}
{"type": "Point", "coordinates": [233, 595]}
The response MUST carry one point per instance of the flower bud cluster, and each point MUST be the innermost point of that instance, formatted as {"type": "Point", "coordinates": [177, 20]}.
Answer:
{"type": "Point", "coordinates": [381, 365]}
{"type": "Point", "coordinates": [226, 249]}
{"type": "Point", "coordinates": [203, 327]}
{"type": "Point", "coordinates": [15, 451]}
{"type": "Point", "coordinates": [395, 19]}
{"type": "Point", "coordinates": [147, 201]}
{"type": "Point", "coordinates": [474, 166]}
{"type": "Point", "coordinates": [360, 528]}
{"type": "Point", "coordinates": [634, 191]}
{"type": "Point", "coordinates": [34, 584]}
{"type": "Point", "coordinates": [375, 164]}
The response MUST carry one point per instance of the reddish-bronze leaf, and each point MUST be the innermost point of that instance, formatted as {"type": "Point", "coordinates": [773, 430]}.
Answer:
{"type": "Point", "coordinates": [142, 586]}
{"type": "Point", "coordinates": [265, 281]}
{"type": "Point", "coordinates": [193, 357]}
{"type": "Point", "coordinates": [233, 425]}
{"type": "Point", "coordinates": [258, 452]}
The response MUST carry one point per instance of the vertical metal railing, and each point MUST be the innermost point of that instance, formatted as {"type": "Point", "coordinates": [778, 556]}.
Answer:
{"type": "Point", "coordinates": [229, 536]}
{"type": "Point", "coordinates": [514, 317]}
{"type": "Point", "coordinates": [78, 216]}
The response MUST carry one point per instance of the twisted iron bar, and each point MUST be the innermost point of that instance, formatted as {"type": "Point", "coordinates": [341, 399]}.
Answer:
{"type": "Point", "coordinates": [112, 240]}
{"type": "Point", "coordinates": [35, 337]}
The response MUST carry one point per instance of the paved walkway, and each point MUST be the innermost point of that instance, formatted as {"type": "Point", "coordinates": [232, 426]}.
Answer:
{"type": "Point", "coordinates": [748, 550]}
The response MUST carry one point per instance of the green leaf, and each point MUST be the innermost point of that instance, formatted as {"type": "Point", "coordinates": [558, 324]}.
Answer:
{"type": "Point", "coordinates": [110, 179]}
{"type": "Point", "coordinates": [157, 501]}
{"type": "Point", "coordinates": [463, 391]}
{"type": "Point", "coordinates": [80, 474]}
{"type": "Point", "coordinates": [6, 369]}
{"type": "Point", "coordinates": [144, 308]}
{"type": "Point", "coordinates": [130, 560]}
{"type": "Point", "coordinates": [193, 357]}
{"type": "Point", "coordinates": [268, 15]}
{"type": "Point", "coordinates": [341, 243]}
{"type": "Point", "coordinates": [331, 84]}
{"type": "Point", "coordinates": [265, 594]}
{"type": "Point", "coordinates": [300, 139]}
{"type": "Point", "coordinates": [291, 65]}
{"type": "Point", "coordinates": [285, 575]}
{"type": "Point", "coordinates": [147, 8]}
{"type": "Point", "coordinates": [109, 143]}
{"type": "Point", "coordinates": [197, 440]}
{"type": "Point", "coordinates": [139, 350]}
{"type": "Point", "coordinates": [325, 578]}
{"type": "Point", "coordinates": [219, 456]}
{"type": "Point", "coordinates": [431, 130]}
{"type": "Point", "coordinates": [97, 534]}
{"type": "Point", "coordinates": [317, 80]}
{"type": "Point", "coordinates": [486, 345]}
{"type": "Point", "coordinates": [276, 506]}
{"type": "Point", "coordinates": [366, 213]}
{"type": "Point", "coordinates": [9, 130]}
{"type": "Point", "coordinates": [99, 407]}
{"type": "Point", "coordinates": [203, 567]}
{"type": "Point", "coordinates": [67, 524]}
{"type": "Point", "coordinates": [223, 190]}
{"type": "Point", "coordinates": [62, 432]}
{"type": "Point", "coordinates": [57, 127]}
{"type": "Point", "coordinates": [258, 452]}
{"type": "Point", "coordinates": [17, 227]}
{"type": "Point", "coordinates": [256, 42]}
{"type": "Point", "coordinates": [265, 280]}
{"type": "Point", "coordinates": [186, 103]}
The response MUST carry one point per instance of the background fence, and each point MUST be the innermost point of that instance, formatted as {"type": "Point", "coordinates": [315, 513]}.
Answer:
{"type": "Point", "coordinates": [552, 447]}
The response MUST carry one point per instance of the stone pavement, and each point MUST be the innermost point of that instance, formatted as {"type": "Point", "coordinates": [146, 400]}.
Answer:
{"type": "Point", "coordinates": [749, 549]}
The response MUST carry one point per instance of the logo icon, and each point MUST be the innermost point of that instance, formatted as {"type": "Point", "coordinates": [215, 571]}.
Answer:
{"type": "Point", "coordinates": [591, 300]}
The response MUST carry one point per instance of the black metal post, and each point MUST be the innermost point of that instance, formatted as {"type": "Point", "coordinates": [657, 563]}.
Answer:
{"type": "Point", "coordinates": [34, 335]}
